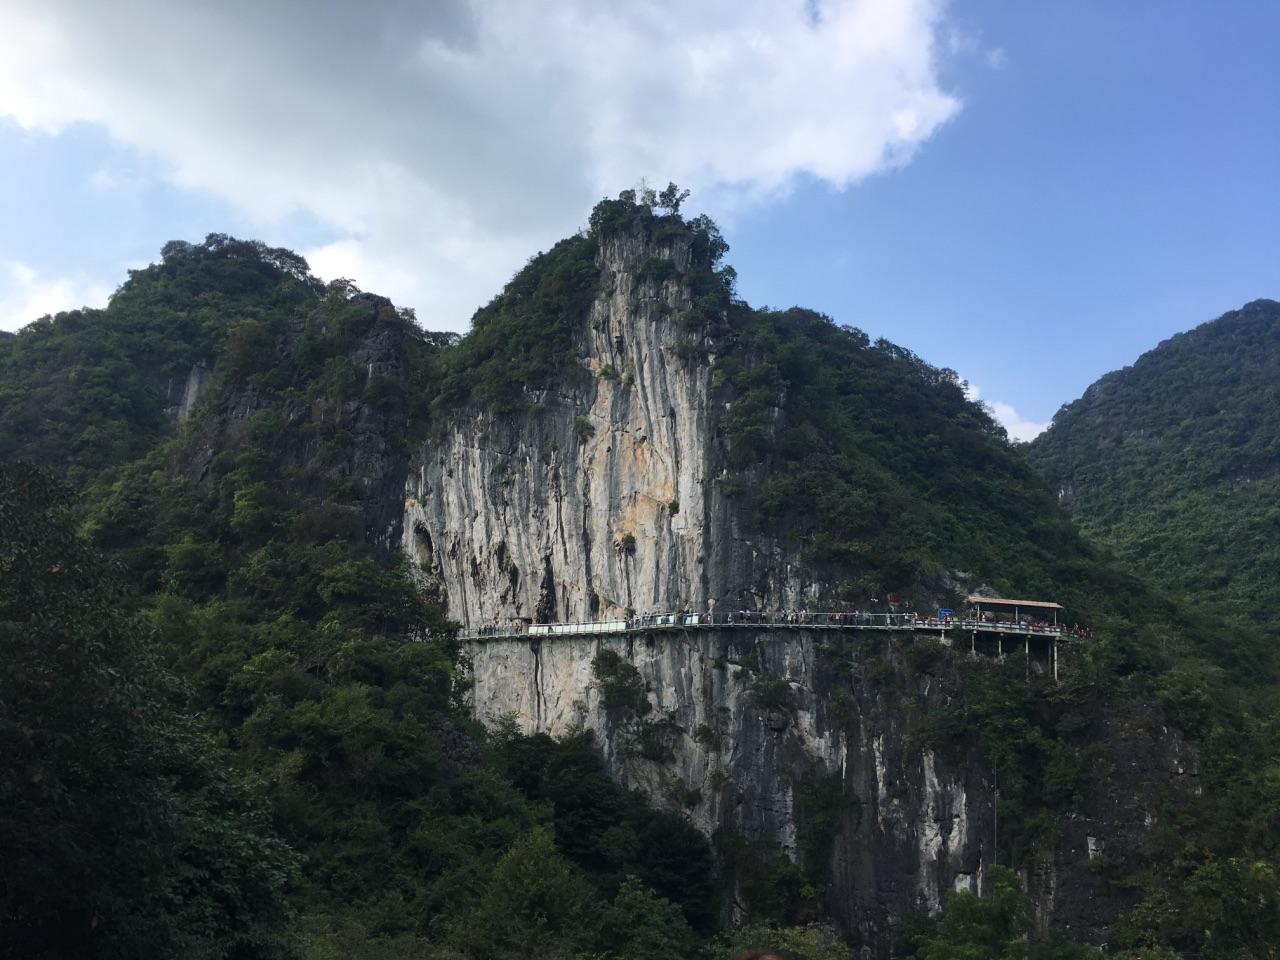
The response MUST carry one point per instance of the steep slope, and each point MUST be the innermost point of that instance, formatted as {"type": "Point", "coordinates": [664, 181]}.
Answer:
{"type": "Point", "coordinates": [859, 778]}
{"type": "Point", "coordinates": [89, 389]}
{"type": "Point", "coordinates": [830, 470]}
{"type": "Point", "coordinates": [620, 433]}
{"type": "Point", "coordinates": [258, 535]}
{"type": "Point", "coordinates": [1175, 462]}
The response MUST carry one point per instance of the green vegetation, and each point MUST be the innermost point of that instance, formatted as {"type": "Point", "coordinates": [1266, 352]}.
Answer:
{"type": "Point", "coordinates": [334, 687]}
{"type": "Point", "coordinates": [876, 463]}
{"type": "Point", "coordinates": [877, 466]}
{"type": "Point", "coordinates": [771, 692]}
{"type": "Point", "coordinates": [88, 388]}
{"type": "Point", "coordinates": [619, 683]}
{"type": "Point", "coordinates": [654, 738]}
{"type": "Point", "coordinates": [350, 792]}
{"type": "Point", "coordinates": [871, 461]}
{"type": "Point", "coordinates": [312, 780]}
{"type": "Point", "coordinates": [609, 833]}
{"type": "Point", "coordinates": [772, 888]}
{"type": "Point", "coordinates": [524, 336]}
{"type": "Point", "coordinates": [822, 803]}
{"type": "Point", "coordinates": [124, 831]}
{"type": "Point", "coordinates": [1174, 462]}
{"type": "Point", "coordinates": [993, 928]}
{"type": "Point", "coordinates": [1033, 734]}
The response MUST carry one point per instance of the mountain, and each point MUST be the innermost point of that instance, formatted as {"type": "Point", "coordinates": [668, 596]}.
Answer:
{"type": "Point", "coordinates": [308, 494]}
{"type": "Point", "coordinates": [1174, 462]}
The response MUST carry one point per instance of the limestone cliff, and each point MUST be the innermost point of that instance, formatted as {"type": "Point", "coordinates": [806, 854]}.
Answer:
{"type": "Point", "coordinates": [607, 494]}
{"type": "Point", "coordinates": [617, 487]}
{"type": "Point", "coordinates": [821, 750]}
{"type": "Point", "coordinates": [181, 395]}
{"type": "Point", "coordinates": [326, 441]}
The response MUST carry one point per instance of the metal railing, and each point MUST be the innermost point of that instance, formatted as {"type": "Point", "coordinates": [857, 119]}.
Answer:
{"type": "Point", "coordinates": [742, 619]}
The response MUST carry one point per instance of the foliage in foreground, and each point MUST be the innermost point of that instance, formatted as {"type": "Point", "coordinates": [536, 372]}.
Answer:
{"type": "Point", "coordinates": [995, 927]}
{"type": "Point", "coordinates": [124, 832]}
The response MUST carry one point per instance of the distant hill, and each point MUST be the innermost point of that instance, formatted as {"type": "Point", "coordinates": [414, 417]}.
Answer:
{"type": "Point", "coordinates": [1175, 461]}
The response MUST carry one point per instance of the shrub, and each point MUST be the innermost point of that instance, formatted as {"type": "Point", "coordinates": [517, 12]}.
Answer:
{"type": "Point", "coordinates": [772, 692]}
{"type": "Point", "coordinates": [653, 740]}
{"type": "Point", "coordinates": [619, 683]}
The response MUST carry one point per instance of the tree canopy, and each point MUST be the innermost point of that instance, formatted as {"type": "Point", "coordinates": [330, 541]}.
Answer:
{"type": "Point", "coordinates": [124, 831]}
{"type": "Point", "coordinates": [1174, 462]}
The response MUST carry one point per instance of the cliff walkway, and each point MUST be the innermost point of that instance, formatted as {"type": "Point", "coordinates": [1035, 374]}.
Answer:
{"type": "Point", "coordinates": [753, 620]}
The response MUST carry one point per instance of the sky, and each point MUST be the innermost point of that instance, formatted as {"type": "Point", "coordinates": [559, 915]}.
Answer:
{"type": "Point", "coordinates": [1031, 194]}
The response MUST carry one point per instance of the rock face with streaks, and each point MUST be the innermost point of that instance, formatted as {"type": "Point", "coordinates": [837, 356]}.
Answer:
{"type": "Point", "coordinates": [370, 459]}
{"type": "Point", "coordinates": [181, 396]}
{"type": "Point", "coordinates": [607, 495]}
{"type": "Point", "coordinates": [786, 742]}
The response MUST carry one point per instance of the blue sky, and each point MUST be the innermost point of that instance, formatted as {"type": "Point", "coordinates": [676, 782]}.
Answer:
{"type": "Point", "coordinates": [1115, 181]}
{"type": "Point", "coordinates": [1029, 193]}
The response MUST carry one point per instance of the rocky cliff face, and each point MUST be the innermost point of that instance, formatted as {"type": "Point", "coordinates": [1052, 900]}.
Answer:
{"type": "Point", "coordinates": [779, 742]}
{"type": "Point", "coordinates": [371, 455]}
{"type": "Point", "coordinates": [607, 494]}
{"type": "Point", "coordinates": [180, 396]}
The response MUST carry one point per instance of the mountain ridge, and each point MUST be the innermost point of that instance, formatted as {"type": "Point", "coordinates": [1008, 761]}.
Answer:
{"type": "Point", "coordinates": [1174, 461]}
{"type": "Point", "coordinates": [260, 533]}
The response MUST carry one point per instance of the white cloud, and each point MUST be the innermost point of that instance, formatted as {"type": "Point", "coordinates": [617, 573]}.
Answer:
{"type": "Point", "coordinates": [26, 296]}
{"type": "Point", "coordinates": [444, 143]}
{"type": "Point", "coordinates": [1017, 426]}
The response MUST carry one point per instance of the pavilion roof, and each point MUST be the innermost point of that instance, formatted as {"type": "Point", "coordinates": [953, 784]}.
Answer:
{"type": "Point", "coordinates": [1001, 602]}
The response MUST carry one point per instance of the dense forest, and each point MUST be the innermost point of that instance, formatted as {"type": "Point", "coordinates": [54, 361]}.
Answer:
{"type": "Point", "coordinates": [316, 674]}
{"type": "Point", "coordinates": [1174, 462]}
{"type": "Point", "coordinates": [231, 726]}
